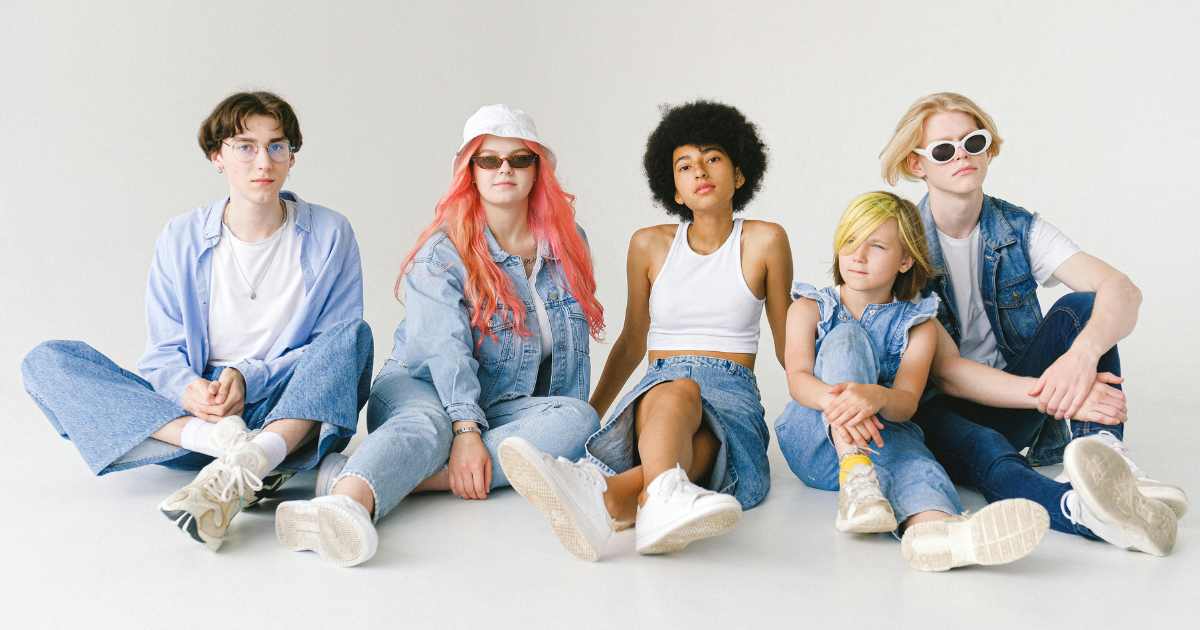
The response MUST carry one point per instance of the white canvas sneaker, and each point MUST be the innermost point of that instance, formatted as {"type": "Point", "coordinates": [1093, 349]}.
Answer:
{"type": "Point", "coordinates": [204, 507]}
{"type": "Point", "coordinates": [1173, 496]}
{"type": "Point", "coordinates": [862, 508]}
{"type": "Point", "coordinates": [328, 472]}
{"type": "Point", "coordinates": [337, 527]}
{"type": "Point", "coordinates": [1000, 533]}
{"type": "Point", "coordinates": [1106, 500]}
{"type": "Point", "coordinates": [678, 512]}
{"type": "Point", "coordinates": [570, 495]}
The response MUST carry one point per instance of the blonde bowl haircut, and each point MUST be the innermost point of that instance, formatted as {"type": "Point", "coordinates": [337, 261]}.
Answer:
{"type": "Point", "coordinates": [894, 156]}
{"type": "Point", "coordinates": [864, 215]}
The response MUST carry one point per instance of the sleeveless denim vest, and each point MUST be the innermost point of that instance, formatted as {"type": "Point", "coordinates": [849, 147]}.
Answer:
{"type": "Point", "coordinates": [1009, 293]}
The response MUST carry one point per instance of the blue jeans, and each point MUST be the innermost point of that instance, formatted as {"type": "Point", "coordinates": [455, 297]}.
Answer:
{"type": "Point", "coordinates": [909, 476]}
{"type": "Point", "coordinates": [731, 408]}
{"type": "Point", "coordinates": [411, 433]}
{"type": "Point", "coordinates": [979, 445]}
{"type": "Point", "coordinates": [110, 413]}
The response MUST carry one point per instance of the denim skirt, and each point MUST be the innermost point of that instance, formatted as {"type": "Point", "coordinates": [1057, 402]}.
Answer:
{"type": "Point", "coordinates": [732, 409]}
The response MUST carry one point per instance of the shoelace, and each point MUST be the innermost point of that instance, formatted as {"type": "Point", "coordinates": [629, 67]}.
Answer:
{"type": "Point", "coordinates": [1062, 505]}
{"type": "Point", "coordinates": [579, 469]}
{"type": "Point", "coordinates": [224, 480]}
{"type": "Point", "coordinates": [860, 487]}
{"type": "Point", "coordinates": [676, 484]}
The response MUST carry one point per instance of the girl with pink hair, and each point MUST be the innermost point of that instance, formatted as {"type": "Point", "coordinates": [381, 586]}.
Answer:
{"type": "Point", "coordinates": [500, 302]}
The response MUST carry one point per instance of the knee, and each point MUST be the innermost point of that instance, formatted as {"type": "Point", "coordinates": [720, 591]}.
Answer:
{"type": "Point", "coordinates": [583, 417]}
{"type": "Point", "coordinates": [682, 394]}
{"type": "Point", "coordinates": [1079, 303]}
{"type": "Point", "coordinates": [846, 351]}
{"type": "Point", "coordinates": [355, 333]}
{"type": "Point", "coordinates": [52, 355]}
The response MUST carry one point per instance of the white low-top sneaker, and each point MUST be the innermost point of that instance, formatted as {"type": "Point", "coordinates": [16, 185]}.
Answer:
{"type": "Point", "coordinates": [204, 507]}
{"type": "Point", "coordinates": [678, 512]}
{"type": "Point", "coordinates": [862, 508]}
{"type": "Point", "coordinates": [1173, 496]}
{"type": "Point", "coordinates": [1106, 500]}
{"type": "Point", "coordinates": [1000, 533]}
{"type": "Point", "coordinates": [328, 472]}
{"type": "Point", "coordinates": [570, 495]}
{"type": "Point", "coordinates": [337, 527]}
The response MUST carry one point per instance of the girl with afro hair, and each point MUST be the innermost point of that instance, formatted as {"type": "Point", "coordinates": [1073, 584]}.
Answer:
{"type": "Point", "coordinates": [686, 451]}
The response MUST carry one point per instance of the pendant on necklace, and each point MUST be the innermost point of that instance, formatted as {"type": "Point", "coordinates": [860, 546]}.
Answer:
{"type": "Point", "coordinates": [252, 296]}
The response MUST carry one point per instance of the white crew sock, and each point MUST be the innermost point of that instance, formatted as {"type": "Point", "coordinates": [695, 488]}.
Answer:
{"type": "Point", "coordinates": [197, 436]}
{"type": "Point", "coordinates": [273, 445]}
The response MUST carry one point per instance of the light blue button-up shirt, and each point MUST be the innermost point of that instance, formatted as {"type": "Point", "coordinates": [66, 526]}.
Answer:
{"type": "Point", "coordinates": [177, 298]}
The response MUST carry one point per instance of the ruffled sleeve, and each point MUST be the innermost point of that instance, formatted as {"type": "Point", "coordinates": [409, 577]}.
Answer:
{"type": "Point", "coordinates": [917, 314]}
{"type": "Point", "coordinates": [826, 302]}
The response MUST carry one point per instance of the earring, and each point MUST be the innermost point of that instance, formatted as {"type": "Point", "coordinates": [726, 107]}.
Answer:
{"type": "Point", "coordinates": [220, 169]}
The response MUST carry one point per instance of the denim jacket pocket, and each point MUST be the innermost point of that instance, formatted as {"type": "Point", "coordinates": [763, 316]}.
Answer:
{"type": "Point", "coordinates": [1019, 311]}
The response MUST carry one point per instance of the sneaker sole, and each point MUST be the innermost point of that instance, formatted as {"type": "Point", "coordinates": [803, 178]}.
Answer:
{"type": "Point", "coordinates": [327, 529]}
{"type": "Point", "coordinates": [1170, 496]}
{"type": "Point", "coordinates": [713, 522]}
{"type": "Point", "coordinates": [525, 475]}
{"type": "Point", "coordinates": [271, 483]}
{"type": "Point", "coordinates": [187, 524]}
{"type": "Point", "coordinates": [998, 534]}
{"type": "Point", "coordinates": [1108, 489]}
{"type": "Point", "coordinates": [873, 522]}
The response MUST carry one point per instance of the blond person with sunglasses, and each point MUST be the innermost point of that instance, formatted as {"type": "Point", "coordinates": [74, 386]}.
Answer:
{"type": "Point", "coordinates": [1008, 374]}
{"type": "Point", "coordinates": [499, 307]}
{"type": "Point", "coordinates": [257, 359]}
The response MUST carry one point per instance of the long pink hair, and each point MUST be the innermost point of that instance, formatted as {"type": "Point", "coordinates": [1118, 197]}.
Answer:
{"type": "Point", "coordinates": [460, 215]}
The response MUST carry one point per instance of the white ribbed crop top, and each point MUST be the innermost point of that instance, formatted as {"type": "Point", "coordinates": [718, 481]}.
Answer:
{"type": "Point", "coordinates": [702, 302]}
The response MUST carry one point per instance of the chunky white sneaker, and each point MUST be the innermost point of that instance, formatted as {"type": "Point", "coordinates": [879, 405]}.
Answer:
{"type": "Point", "coordinates": [862, 508]}
{"type": "Point", "coordinates": [678, 512]}
{"type": "Point", "coordinates": [570, 495]}
{"type": "Point", "coordinates": [335, 526]}
{"type": "Point", "coordinates": [204, 507]}
{"type": "Point", "coordinates": [1106, 500]}
{"type": "Point", "coordinates": [330, 468]}
{"type": "Point", "coordinates": [270, 484]}
{"type": "Point", "coordinates": [1173, 496]}
{"type": "Point", "coordinates": [1000, 533]}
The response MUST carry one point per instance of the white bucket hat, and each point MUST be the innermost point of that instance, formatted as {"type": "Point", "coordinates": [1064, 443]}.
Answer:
{"type": "Point", "coordinates": [501, 121]}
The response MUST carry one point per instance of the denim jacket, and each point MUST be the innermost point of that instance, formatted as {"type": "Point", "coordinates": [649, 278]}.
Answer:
{"type": "Point", "coordinates": [887, 325]}
{"type": "Point", "coordinates": [1009, 295]}
{"type": "Point", "coordinates": [177, 295]}
{"type": "Point", "coordinates": [436, 342]}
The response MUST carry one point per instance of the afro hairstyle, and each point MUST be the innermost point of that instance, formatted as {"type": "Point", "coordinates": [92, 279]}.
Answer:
{"type": "Point", "coordinates": [703, 123]}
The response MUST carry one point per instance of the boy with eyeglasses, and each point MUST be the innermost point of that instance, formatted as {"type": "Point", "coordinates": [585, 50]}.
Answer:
{"type": "Point", "coordinates": [1007, 375]}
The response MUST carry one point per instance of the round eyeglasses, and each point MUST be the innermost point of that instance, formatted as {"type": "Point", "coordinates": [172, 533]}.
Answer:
{"type": "Point", "coordinates": [246, 151]}
{"type": "Point", "coordinates": [943, 151]}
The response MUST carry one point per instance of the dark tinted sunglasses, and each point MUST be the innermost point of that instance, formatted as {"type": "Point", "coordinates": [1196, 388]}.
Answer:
{"type": "Point", "coordinates": [943, 151]}
{"type": "Point", "coordinates": [492, 162]}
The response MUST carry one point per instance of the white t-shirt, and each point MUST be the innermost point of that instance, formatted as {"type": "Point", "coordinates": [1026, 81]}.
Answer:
{"type": "Point", "coordinates": [540, 307]}
{"type": "Point", "coordinates": [240, 327]}
{"type": "Point", "coordinates": [1048, 248]}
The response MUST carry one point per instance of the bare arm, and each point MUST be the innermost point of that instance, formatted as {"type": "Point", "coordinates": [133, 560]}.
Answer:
{"type": "Point", "coordinates": [630, 346]}
{"type": "Point", "coordinates": [1063, 387]}
{"type": "Point", "coordinates": [778, 285]}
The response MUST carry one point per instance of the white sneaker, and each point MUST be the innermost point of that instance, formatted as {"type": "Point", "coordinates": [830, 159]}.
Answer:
{"type": "Point", "coordinates": [337, 527]}
{"type": "Point", "coordinates": [1106, 500]}
{"type": "Point", "coordinates": [570, 495]}
{"type": "Point", "coordinates": [862, 508]}
{"type": "Point", "coordinates": [230, 432]}
{"type": "Point", "coordinates": [1173, 496]}
{"type": "Point", "coordinates": [204, 507]}
{"type": "Point", "coordinates": [678, 512]}
{"type": "Point", "coordinates": [1000, 533]}
{"type": "Point", "coordinates": [328, 472]}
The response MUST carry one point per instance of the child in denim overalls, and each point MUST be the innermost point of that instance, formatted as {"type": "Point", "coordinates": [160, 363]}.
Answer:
{"type": "Point", "coordinates": [858, 356]}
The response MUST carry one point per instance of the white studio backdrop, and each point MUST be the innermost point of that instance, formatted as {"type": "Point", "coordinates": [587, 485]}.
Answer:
{"type": "Point", "coordinates": [100, 104]}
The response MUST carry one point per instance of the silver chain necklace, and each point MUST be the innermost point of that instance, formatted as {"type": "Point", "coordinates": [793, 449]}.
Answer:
{"type": "Point", "coordinates": [233, 251]}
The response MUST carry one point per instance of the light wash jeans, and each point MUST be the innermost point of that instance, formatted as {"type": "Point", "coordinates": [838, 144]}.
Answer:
{"type": "Point", "coordinates": [909, 476]}
{"type": "Point", "coordinates": [411, 433]}
{"type": "Point", "coordinates": [110, 413]}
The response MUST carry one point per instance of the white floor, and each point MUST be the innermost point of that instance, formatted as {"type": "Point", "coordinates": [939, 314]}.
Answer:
{"type": "Point", "coordinates": [82, 551]}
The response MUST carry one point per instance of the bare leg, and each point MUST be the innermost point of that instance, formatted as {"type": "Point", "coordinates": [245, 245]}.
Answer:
{"type": "Point", "coordinates": [438, 481]}
{"type": "Point", "coordinates": [358, 490]}
{"type": "Point", "coordinates": [172, 432]}
{"type": "Point", "coordinates": [923, 517]}
{"type": "Point", "coordinates": [624, 490]}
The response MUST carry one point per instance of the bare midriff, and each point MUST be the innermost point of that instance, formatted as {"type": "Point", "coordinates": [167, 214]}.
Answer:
{"type": "Point", "coordinates": [744, 359]}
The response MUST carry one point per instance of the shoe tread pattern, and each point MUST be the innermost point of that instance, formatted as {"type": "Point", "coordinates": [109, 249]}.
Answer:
{"type": "Point", "coordinates": [706, 526]}
{"type": "Point", "coordinates": [1122, 502]}
{"type": "Point", "coordinates": [1000, 533]}
{"type": "Point", "coordinates": [326, 529]}
{"type": "Point", "coordinates": [529, 482]}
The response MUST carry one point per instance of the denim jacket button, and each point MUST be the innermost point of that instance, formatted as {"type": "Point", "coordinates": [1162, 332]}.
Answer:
{"type": "Point", "coordinates": [562, 346]}
{"type": "Point", "coordinates": [553, 296]}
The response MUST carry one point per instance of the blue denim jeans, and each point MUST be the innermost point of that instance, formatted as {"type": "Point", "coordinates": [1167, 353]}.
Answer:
{"type": "Point", "coordinates": [411, 433]}
{"type": "Point", "coordinates": [979, 445]}
{"type": "Point", "coordinates": [732, 409]}
{"type": "Point", "coordinates": [110, 413]}
{"type": "Point", "coordinates": [909, 476]}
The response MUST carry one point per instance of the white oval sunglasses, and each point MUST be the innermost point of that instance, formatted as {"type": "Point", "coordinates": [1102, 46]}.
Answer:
{"type": "Point", "coordinates": [943, 151]}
